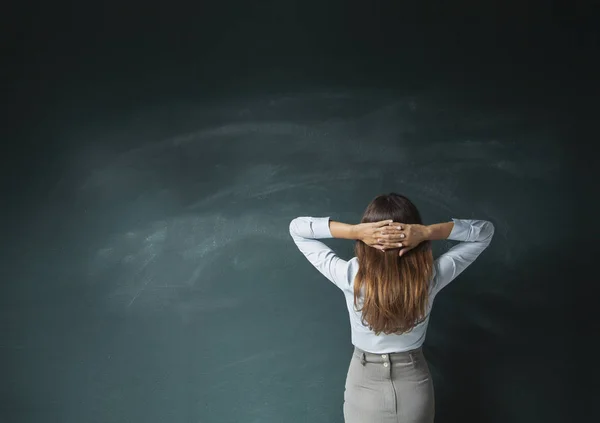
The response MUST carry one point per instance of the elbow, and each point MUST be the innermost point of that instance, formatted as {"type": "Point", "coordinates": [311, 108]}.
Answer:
{"type": "Point", "coordinates": [292, 227]}
{"type": "Point", "coordinates": [490, 229]}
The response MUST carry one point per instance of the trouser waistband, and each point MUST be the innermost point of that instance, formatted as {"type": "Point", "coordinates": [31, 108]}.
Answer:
{"type": "Point", "coordinates": [394, 357]}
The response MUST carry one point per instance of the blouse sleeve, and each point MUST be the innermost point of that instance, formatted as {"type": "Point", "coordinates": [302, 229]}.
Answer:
{"type": "Point", "coordinates": [305, 231]}
{"type": "Point", "coordinates": [475, 237]}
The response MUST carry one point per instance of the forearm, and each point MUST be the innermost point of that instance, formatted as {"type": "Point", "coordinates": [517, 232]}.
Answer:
{"type": "Point", "coordinates": [342, 230]}
{"type": "Point", "coordinates": [439, 230]}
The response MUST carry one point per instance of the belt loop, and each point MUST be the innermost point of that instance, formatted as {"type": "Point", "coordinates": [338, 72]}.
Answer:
{"type": "Point", "coordinates": [363, 359]}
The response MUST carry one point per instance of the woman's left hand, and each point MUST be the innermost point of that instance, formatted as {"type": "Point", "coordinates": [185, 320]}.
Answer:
{"type": "Point", "coordinates": [374, 234]}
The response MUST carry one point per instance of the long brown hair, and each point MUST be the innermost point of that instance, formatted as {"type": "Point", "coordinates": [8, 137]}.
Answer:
{"type": "Point", "coordinates": [395, 288]}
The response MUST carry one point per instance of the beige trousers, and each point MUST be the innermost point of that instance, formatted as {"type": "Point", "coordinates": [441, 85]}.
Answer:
{"type": "Point", "coordinates": [388, 388]}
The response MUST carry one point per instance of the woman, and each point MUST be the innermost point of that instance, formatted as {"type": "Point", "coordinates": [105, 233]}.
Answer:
{"type": "Point", "coordinates": [389, 288]}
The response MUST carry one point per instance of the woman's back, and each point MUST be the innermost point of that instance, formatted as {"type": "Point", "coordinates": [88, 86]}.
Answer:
{"type": "Point", "coordinates": [474, 237]}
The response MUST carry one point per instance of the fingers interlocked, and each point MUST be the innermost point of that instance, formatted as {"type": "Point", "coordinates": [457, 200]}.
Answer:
{"type": "Point", "coordinates": [391, 237]}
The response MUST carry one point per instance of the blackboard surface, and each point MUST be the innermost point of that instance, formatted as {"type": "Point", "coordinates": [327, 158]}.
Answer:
{"type": "Point", "coordinates": [149, 275]}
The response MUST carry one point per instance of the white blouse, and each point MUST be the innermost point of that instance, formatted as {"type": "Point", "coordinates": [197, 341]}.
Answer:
{"type": "Point", "coordinates": [475, 236]}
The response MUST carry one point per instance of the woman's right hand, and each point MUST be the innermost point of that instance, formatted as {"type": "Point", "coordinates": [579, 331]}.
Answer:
{"type": "Point", "coordinates": [403, 236]}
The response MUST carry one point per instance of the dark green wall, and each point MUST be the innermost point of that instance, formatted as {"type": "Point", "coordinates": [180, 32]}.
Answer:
{"type": "Point", "coordinates": [155, 155]}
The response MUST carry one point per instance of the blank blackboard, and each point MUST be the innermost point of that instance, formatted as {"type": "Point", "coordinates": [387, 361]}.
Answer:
{"type": "Point", "coordinates": [163, 284]}
{"type": "Point", "coordinates": [154, 157]}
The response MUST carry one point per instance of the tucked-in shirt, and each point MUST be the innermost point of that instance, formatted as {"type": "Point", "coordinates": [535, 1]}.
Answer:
{"type": "Point", "coordinates": [475, 236]}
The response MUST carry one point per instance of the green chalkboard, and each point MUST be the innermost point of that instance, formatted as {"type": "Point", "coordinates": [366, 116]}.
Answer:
{"type": "Point", "coordinates": [158, 281]}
